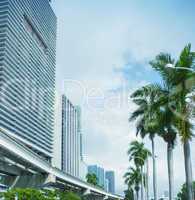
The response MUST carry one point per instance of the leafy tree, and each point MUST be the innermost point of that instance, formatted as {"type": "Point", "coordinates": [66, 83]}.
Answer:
{"type": "Point", "coordinates": [71, 196]}
{"type": "Point", "coordinates": [33, 194]}
{"type": "Point", "coordinates": [92, 179]}
{"type": "Point", "coordinates": [24, 194]}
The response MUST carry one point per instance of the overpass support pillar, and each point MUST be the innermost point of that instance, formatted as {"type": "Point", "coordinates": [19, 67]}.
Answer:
{"type": "Point", "coordinates": [29, 180]}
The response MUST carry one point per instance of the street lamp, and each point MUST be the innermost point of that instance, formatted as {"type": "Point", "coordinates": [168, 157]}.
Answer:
{"type": "Point", "coordinates": [169, 65]}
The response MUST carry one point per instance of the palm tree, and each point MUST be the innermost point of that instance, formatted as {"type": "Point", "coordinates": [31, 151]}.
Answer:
{"type": "Point", "coordinates": [147, 123]}
{"type": "Point", "coordinates": [139, 154]}
{"type": "Point", "coordinates": [133, 178]}
{"type": "Point", "coordinates": [187, 59]}
{"type": "Point", "coordinates": [129, 194]}
{"type": "Point", "coordinates": [181, 83]}
{"type": "Point", "coordinates": [166, 117]}
{"type": "Point", "coordinates": [169, 136]}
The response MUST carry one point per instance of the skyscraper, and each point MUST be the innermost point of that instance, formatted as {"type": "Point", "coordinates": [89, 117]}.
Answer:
{"type": "Point", "coordinates": [82, 164]}
{"type": "Point", "coordinates": [70, 138]}
{"type": "Point", "coordinates": [78, 109]}
{"type": "Point", "coordinates": [106, 185]}
{"type": "Point", "coordinates": [99, 172]}
{"type": "Point", "coordinates": [110, 176]}
{"type": "Point", "coordinates": [27, 72]}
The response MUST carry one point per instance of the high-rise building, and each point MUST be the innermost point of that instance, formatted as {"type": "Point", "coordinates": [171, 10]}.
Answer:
{"type": "Point", "coordinates": [27, 72]}
{"type": "Point", "coordinates": [110, 176]}
{"type": "Point", "coordinates": [70, 138]}
{"type": "Point", "coordinates": [166, 194]}
{"type": "Point", "coordinates": [78, 108]}
{"type": "Point", "coordinates": [83, 170]}
{"type": "Point", "coordinates": [83, 165]}
{"type": "Point", "coordinates": [106, 185]}
{"type": "Point", "coordinates": [99, 172]}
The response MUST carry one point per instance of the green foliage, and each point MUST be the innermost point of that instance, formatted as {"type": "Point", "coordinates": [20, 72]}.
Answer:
{"type": "Point", "coordinates": [178, 84]}
{"type": "Point", "coordinates": [164, 109]}
{"type": "Point", "coordinates": [147, 113]}
{"type": "Point", "coordinates": [129, 194]}
{"type": "Point", "coordinates": [33, 194]}
{"type": "Point", "coordinates": [92, 179]}
{"type": "Point", "coordinates": [182, 195]}
{"type": "Point", "coordinates": [133, 178]}
{"type": "Point", "coordinates": [138, 153]}
{"type": "Point", "coordinates": [24, 194]}
{"type": "Point", "coordinates": [71, 196]}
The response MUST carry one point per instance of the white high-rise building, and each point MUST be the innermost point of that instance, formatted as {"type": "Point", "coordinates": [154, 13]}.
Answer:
{"type": "Point", "coordinates": [83, 166]}
{"type": "Point", "coordinates": [70, 138]}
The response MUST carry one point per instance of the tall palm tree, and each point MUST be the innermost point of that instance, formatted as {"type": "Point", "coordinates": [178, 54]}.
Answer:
{"type": "Point", "coordinates": [187, 59]}
{"type": "Point", "coordinates": [182, 84]}
{"type": "Point", "coordinates": [129, 194]}
{"type": "Point", "coordinates": [166, 117]}
{"type": "Point", "coordinates": [133, 178]}
{"type": "Point", "coordinates": [169, 136]}
{"type": "Point", "coordinates": [146, 117]}
{"type": "Point", "coordinates": [139, 154]}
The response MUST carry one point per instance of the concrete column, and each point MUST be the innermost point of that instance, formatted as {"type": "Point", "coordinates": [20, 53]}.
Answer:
{"type": "Point", "coordinates": [29, 180]}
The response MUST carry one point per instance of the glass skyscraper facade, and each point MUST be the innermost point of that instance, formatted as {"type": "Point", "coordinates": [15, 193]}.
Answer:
{"type": "Point", "coordinates": [110, 176]}
{"type": "Point", "coordinates": [70, 138]}
{"type": "Point", "coordinates": [27, 72]}
{"type": "Point", "coordinates": [99, 172]}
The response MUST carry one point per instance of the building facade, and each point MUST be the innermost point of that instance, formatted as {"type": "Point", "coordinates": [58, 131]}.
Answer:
{"type": "Point", "coordinates": [110, 176]}
{"type": "Point", "coordinates": [79, 126]}
{"type": "Point", "coordinates": [70, 138]}
{"type": "Point", "coordinates": [27, 72]}
{"type": "Point", "coordinates": [99, 172]}
{"type": "Point", "coordinates": [106, 185]}
{"type": "Point", "coordinates": [83, 170]}
{"type": "Point", "coordinates": [83, 165]}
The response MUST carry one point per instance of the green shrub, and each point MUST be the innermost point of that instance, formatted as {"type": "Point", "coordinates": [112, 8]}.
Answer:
{"type": "Point", "coordinates": [71, 196]}
{"type": "Point", "coordinates": [24, 194]}
{"type": "Point", "coordinates": [33, 194]}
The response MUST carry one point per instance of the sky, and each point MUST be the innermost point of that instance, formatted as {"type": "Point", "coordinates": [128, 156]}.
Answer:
{"type": "Point", "coordinates": [103, 50]}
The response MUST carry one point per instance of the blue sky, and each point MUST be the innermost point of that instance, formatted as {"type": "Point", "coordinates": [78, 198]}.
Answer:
{"type": "Point", "coordinates": [103, 50]}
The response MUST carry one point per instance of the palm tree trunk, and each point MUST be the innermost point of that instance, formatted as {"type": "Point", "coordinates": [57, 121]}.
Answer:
{"type": "Point", "coordinates": [188, 170]}
{"type": "Point", "coordinates": [154, 170]}
{"type": "Point", "coordinates": [137, 194]}
{"type": "Point", "coordinates": [147, 179]}
{"type": "Point", "coordinates": [170, 169]}
{"type": "Point", "coordinates": [142, 184]}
